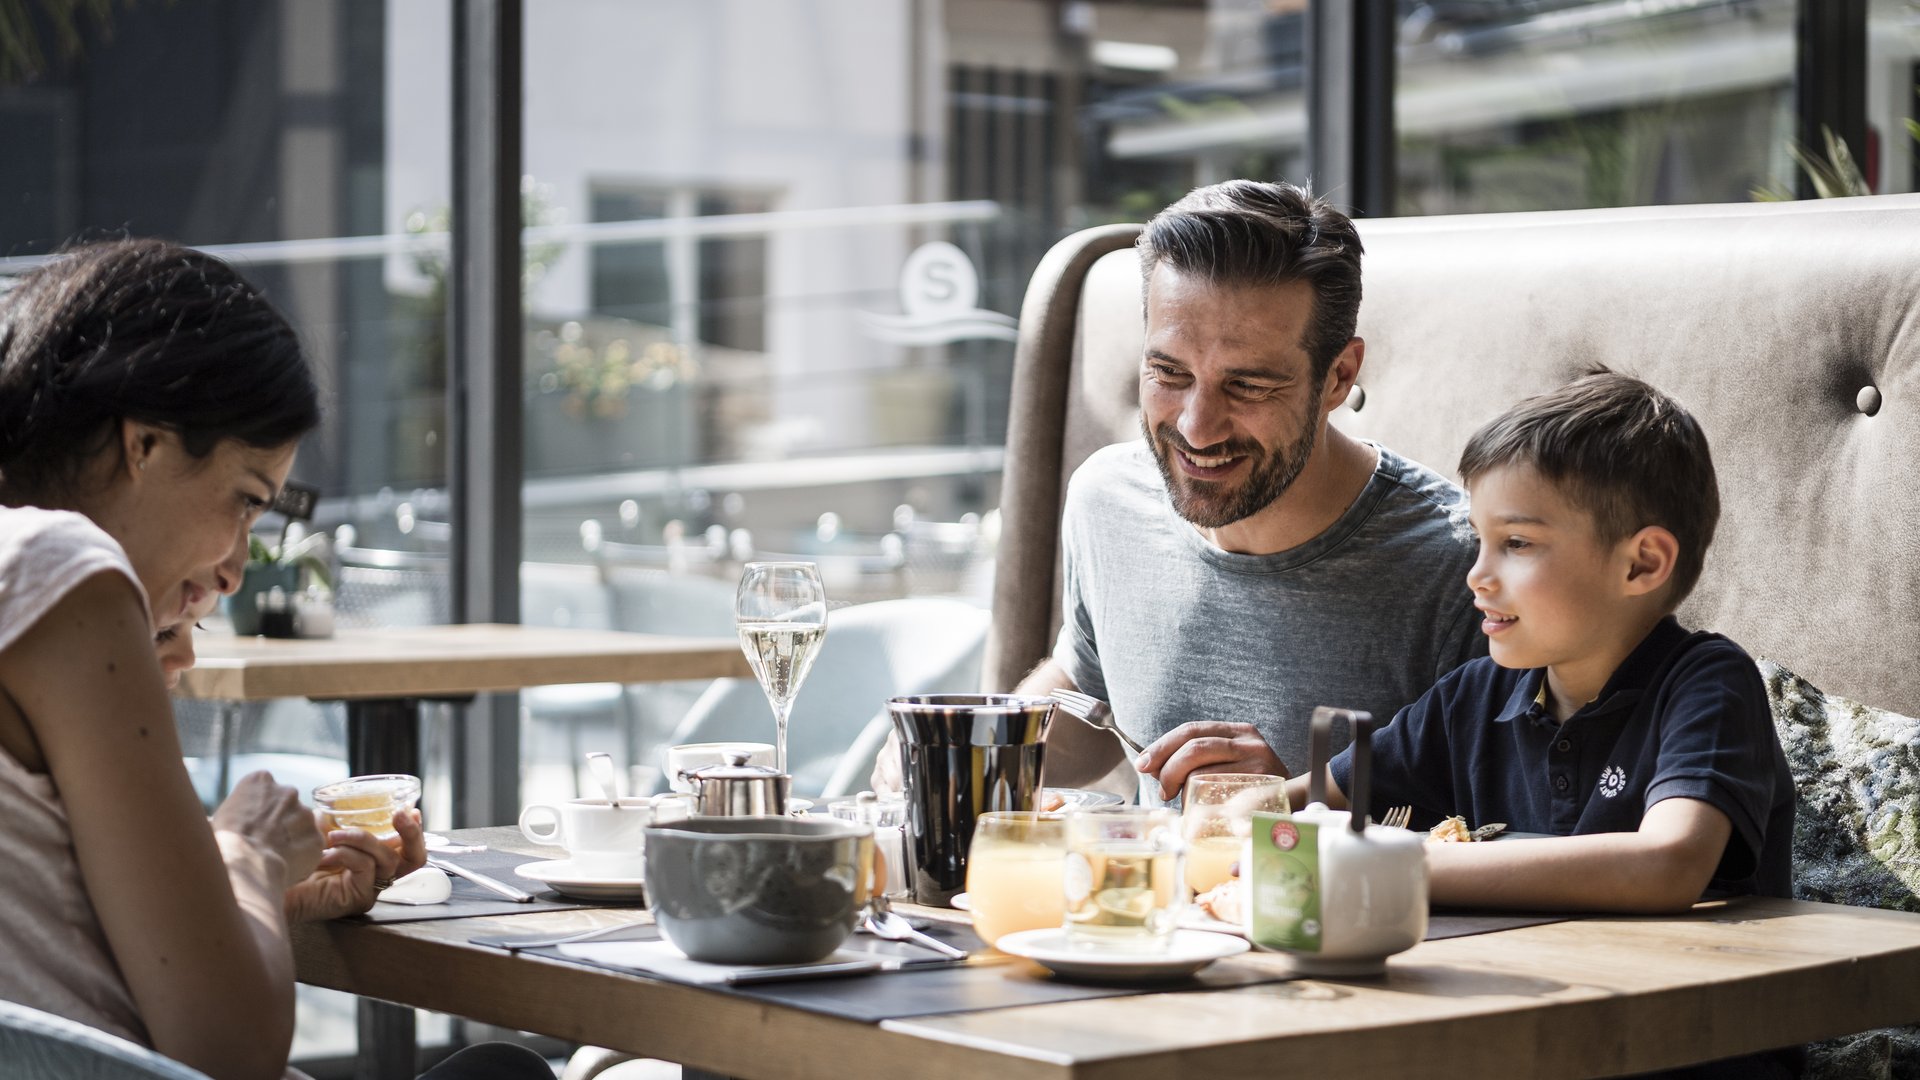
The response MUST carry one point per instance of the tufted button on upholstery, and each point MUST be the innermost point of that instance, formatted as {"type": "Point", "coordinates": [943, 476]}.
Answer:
{"type": "Point", "coordinates": [1356, 398]}
{"type": "Point", "coordinates": [1867, 400]}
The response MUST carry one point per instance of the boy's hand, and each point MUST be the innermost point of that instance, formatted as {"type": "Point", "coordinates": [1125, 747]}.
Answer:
{"type": "Point", "coordinates": [1207, 746]}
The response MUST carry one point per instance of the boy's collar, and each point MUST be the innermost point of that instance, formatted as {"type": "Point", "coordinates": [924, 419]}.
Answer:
{"type": "Point", "coordinates": [1623, 687]}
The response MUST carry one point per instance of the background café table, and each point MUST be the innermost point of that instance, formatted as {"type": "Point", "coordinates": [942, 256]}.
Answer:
{"type": "Point", "coordinates": [384, 675]}
{"type": "Point", "coordinates": [1588, 997]}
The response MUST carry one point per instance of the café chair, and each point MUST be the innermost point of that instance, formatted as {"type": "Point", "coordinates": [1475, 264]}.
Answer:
{"type": "Point", "coordinates": [41, 1046]}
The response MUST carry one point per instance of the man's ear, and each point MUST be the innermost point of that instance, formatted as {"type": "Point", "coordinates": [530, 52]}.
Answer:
{"type": "Point", "coordinates": [1341, 376]}
{"type": "Point", "coordinates": [1650, 557]}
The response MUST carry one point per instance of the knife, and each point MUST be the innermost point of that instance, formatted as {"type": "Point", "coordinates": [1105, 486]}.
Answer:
{"type": "Point", "coordinates": [490, 884]}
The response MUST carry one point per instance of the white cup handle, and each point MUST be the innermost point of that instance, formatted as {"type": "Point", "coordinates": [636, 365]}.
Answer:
{"type": "Point", "coordinates": [669, 807]}
{"type": "Point", "coordinates": [530, 814]}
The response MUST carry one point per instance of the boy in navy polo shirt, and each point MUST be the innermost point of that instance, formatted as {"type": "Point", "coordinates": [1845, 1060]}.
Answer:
{"type": "Point", "coordinates": [1648, 752]}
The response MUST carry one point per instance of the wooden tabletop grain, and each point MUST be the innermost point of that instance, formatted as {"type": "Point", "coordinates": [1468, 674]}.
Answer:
{"type": "Point", "coordinates": [1590, 997]}
{"type": "Point", "coordinates": [447, 660]}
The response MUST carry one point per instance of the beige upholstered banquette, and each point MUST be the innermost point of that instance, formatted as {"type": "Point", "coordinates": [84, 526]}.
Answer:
{"type": "Point", "coordinates": [1791, 330]}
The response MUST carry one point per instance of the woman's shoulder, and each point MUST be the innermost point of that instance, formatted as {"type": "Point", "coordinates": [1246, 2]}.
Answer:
{"type": "Point", "coordinates": [46, 554]}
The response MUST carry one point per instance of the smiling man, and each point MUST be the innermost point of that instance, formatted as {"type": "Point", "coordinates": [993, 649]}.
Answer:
{"type": "Point", "coordinates": [1245, 560]}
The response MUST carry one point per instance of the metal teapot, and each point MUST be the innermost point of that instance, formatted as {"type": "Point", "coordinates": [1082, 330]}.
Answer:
{"type": "Point", "coordinates": [735, 788]}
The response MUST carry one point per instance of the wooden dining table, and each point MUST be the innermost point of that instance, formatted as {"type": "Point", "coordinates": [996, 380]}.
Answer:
{"type": "Point", "coordinates": [1592, 996]}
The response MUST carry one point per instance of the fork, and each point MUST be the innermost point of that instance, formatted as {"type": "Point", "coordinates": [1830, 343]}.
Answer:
{"type": "Point", "coordinates": [1095, 712]}
{"type": "Point", "coordinates": [1397, 817]}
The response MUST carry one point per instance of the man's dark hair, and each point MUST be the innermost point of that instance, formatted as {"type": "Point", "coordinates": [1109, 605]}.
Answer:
{"type": "Point", "coordinates": [1247, 232]}
{"type": "Point", "coordinates": [1624, 452]}
{"type": "Point", "coordinates": [148, 331]}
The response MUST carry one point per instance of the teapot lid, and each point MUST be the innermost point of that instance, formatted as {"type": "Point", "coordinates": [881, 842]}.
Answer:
{"type": "Point", "coordinates": [734, 767]}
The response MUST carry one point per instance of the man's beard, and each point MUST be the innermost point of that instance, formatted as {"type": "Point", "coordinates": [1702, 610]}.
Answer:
{"type": "Point", "coordinates": [1210, 504]}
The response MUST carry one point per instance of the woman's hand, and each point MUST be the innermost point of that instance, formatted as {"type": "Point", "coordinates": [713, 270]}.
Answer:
{"type": "Point", "coordinates": [270, 817]}
{"type": "Point", "coordinates": [355, 867]}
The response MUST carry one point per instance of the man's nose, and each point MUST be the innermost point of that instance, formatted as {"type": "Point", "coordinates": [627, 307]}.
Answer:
{"type": "Point", "coordinates": [1204, 420]}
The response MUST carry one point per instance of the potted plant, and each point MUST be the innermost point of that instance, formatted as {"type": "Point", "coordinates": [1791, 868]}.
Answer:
{"type": "Point", "coordinates": [275, 566]}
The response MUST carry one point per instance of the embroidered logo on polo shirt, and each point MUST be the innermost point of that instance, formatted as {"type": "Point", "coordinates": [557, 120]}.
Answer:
{"type": "Point", "coordinates": [1613, 781]}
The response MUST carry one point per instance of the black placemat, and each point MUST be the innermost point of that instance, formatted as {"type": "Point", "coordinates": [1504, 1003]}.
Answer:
{"type": "Point", "coordinates": [1447, 924]}
{"type": "Point", "coordinates": [469, 899]}
{"type": "Point", "coordinates": [989, 981]}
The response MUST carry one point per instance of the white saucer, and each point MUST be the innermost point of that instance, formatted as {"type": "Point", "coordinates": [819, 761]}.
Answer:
{"type": "Point", "coordinates": [569, 880]}
{"type": "Point", "coordinates": [960, 902]}
{"type": "Point", "coordinates": [1186, 953]}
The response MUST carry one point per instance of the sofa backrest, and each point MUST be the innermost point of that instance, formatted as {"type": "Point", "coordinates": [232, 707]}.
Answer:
{"type": "Point", "coordinates": [1792, 330]}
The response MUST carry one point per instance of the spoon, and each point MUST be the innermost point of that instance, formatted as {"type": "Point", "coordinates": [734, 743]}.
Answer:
{"type": "Point", "coordinates": [602, 767]}
{"type": "Point", "coordinates": [883, 922]}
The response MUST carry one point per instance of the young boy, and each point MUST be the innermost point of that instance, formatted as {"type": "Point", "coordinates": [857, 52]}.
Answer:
{"type": "Point", "coordinates": [1648, 752]}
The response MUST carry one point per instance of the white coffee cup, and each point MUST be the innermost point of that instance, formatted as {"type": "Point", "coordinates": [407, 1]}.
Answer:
{"type": "Point", "coordinates": [599, 837]}
{"type": "Point", "coordinates": [687, 757]}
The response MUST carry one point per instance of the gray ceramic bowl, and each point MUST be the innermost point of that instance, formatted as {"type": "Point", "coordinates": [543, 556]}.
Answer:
{"type": "Point", "coordinates": [758, 890]}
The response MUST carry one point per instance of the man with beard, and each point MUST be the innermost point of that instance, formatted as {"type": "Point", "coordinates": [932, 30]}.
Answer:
{"type": "Point", "coordinates": [1246, 561]}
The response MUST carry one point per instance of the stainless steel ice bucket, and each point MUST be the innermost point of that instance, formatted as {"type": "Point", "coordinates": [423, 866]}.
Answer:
{"type": "Point", "coordinates": [962, 755]}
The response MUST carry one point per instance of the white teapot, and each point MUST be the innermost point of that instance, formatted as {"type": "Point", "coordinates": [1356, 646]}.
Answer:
{"type": "Point", "coordinates": [1337, 895]}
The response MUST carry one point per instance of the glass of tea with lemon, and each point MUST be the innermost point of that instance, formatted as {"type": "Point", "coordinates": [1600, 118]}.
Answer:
{"type": "Point", "coordinates": [368, 802]}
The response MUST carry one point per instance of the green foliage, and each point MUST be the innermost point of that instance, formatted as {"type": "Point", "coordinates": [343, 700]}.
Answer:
{"type": "Point", "coordinates": [1834, 176]}
{"type": "Point", "coordinates": [301, 552]}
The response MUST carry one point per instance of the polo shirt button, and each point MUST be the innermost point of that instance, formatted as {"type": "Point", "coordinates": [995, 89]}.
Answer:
{"type": "Point", "coordinates": [1560, 783]}
{"type": "Point", "coordinates": [1563, 745]}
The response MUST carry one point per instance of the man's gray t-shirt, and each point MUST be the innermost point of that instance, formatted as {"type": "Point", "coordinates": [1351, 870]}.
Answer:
{"type": "Point", "coordinates": [1169, 628]}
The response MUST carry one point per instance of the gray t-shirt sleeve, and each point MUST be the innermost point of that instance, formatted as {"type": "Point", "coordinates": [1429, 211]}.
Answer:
{"type": "Point", "coordinates": [1076, 650]}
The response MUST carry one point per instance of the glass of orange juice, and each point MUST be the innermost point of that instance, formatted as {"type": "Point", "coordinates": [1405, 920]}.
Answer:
{"type": "Point", "coordinates": [1216, 812]}
{"type": "Point", "coordinates": [1016, 873]}
{"type": "Point", "coordinates": [368, 802]}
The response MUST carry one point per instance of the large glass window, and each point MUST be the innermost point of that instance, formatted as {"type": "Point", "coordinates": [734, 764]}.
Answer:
{"type": "Point", "coordinates": [1565, 104]}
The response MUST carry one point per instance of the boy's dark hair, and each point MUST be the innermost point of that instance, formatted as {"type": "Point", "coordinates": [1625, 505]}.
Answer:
{"type": "Point", "coordinates": [1246, 232]}
{"type": "Point", "coordinates": [141, 330]}
{"type": "Point", "coordinates": [1621, 450]}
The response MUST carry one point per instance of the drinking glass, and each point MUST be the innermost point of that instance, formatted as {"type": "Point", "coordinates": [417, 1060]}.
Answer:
{"type": "Point", "coordinates": [1016, 873]}
{"type": "Point", "coordinates": [780, 611]}
{"type": "Point", "coordinates": [1216, 812]}
{"type": "Point", "coordinates": [1123, 878]}
{"type": "Point", "coordinates": [368, 802]}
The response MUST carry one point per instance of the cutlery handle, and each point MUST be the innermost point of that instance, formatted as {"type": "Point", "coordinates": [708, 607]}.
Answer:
{"type": "Point", "coordinates": [490, 884]}
{"type": "Point", "coordinates": [934, 943]}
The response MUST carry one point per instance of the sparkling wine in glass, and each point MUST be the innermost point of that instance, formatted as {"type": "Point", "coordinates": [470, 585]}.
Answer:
{"type": "Point", "coordinates": [780, 611]}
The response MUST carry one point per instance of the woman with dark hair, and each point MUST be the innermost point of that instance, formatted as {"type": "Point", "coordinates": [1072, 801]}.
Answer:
{"type": "Point", "coordinates": [150, 405]}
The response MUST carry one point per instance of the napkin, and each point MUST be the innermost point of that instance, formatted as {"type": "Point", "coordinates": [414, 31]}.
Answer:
{"type": "Point", "coordinates": [661, 958]}
{"type": "Point", "coordinates": [424, 886]}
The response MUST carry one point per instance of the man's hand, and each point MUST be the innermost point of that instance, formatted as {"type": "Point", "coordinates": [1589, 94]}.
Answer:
{"type": "Point", "coordinates": [353, 864]}
{"type": "Point", "coordinates": [1207, 746]}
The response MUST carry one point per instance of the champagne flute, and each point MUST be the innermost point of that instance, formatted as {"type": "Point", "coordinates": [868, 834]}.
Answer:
{"type": "Point", "coordinates": [780, 612]}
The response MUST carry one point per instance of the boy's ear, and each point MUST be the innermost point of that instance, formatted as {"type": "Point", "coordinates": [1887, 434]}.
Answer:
{"type": "Point", "coordinates": [1651, 554]}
